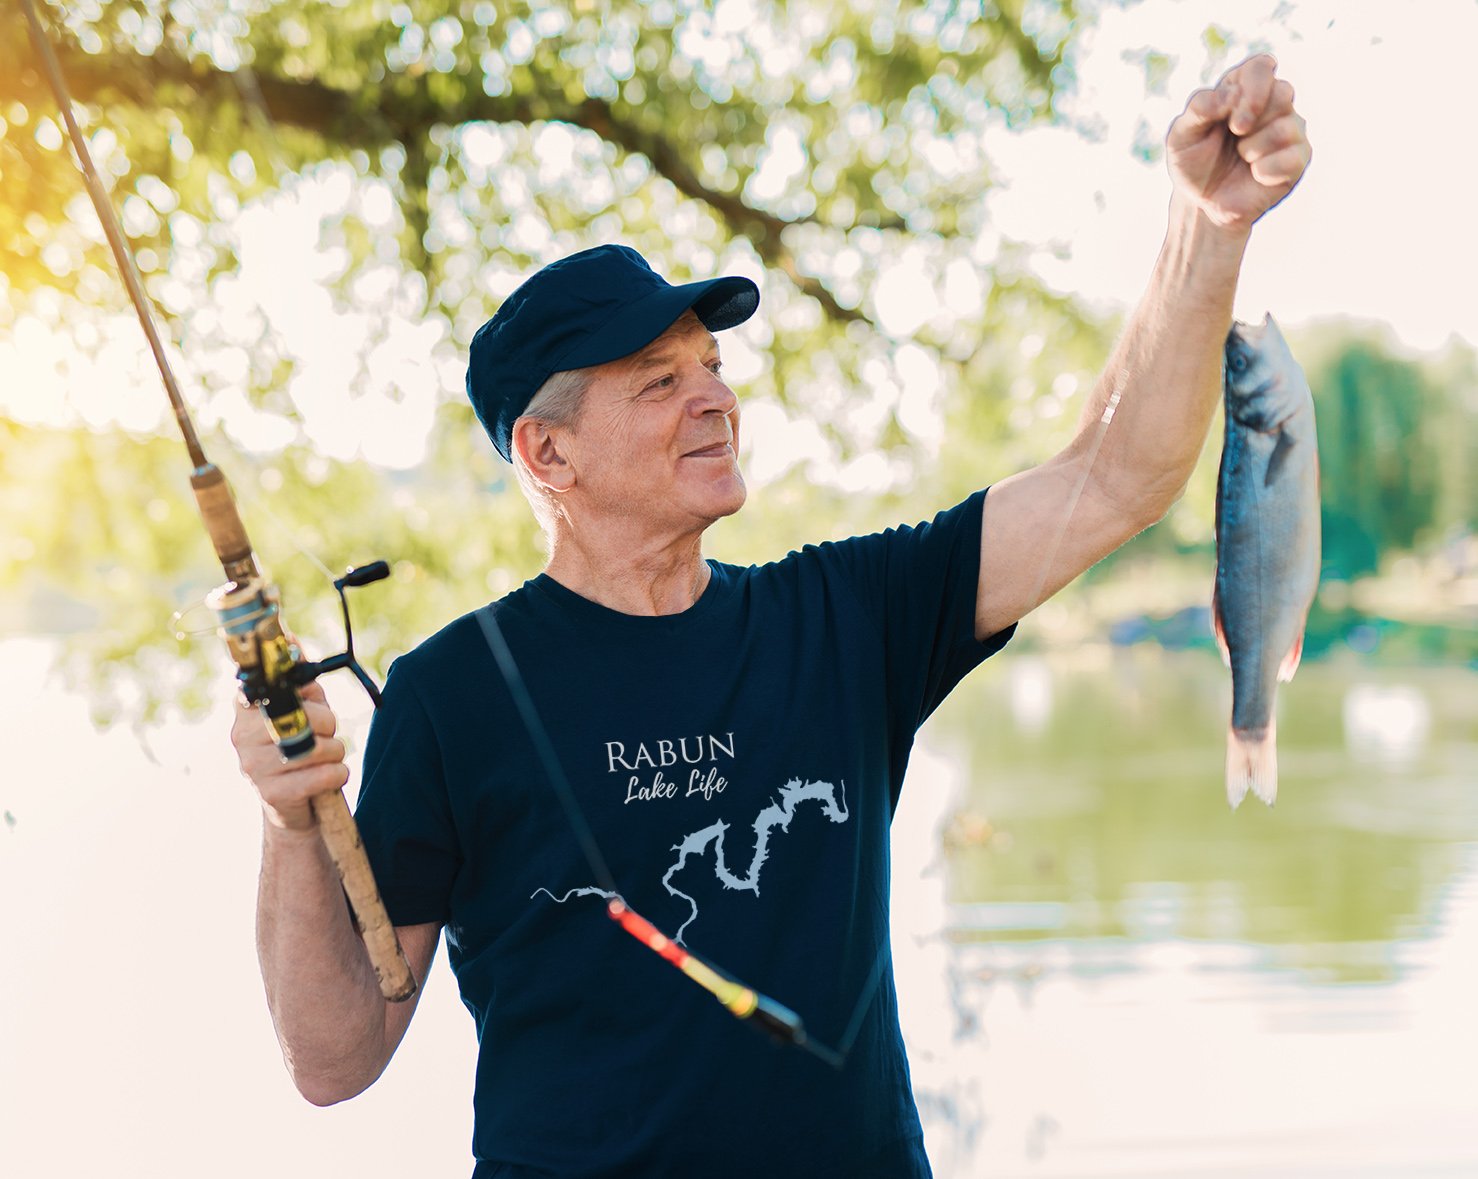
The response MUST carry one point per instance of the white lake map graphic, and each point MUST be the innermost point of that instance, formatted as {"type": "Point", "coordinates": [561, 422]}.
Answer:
{"type": "Point", "coordinates": [831, 799]}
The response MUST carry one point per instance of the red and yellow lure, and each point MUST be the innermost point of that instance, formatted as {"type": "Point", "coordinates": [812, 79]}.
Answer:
{"type": "Point", "coordinates": [742, 1002]}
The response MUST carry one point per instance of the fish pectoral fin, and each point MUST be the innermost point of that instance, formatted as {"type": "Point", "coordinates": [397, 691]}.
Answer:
{"type": "Point", "coordinates": [1252, 763]}
{"type": "Point", "coordinates": [1290, 661]}
{"type": "Point", "coordinates": [1220, 631]}
{"type": "Point", "coordinates": [1279, 458]}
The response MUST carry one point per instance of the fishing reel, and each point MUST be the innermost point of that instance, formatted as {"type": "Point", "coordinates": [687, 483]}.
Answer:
{"type": "Point", "coordinates": [270, 666]}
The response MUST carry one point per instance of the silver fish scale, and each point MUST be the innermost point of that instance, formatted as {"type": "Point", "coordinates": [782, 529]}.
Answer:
{"type": "Point", "coordinates": [1267, 559]}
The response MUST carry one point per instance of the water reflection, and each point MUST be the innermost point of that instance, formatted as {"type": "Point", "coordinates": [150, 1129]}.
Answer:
{"type": "Point", "coordinates": [1108, 820]}
{"type": "Point", "coordinates": [1122, 968]}
{"type": "Point", "coordinates": [1389, 723]}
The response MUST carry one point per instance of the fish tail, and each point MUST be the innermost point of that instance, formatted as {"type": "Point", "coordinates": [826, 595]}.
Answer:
{"type": "Point", "coordinates": [1252, 763]}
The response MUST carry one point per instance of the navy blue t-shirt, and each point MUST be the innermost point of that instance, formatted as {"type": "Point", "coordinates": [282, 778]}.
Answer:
{"type": "Point", "coordinates": [739, 764]}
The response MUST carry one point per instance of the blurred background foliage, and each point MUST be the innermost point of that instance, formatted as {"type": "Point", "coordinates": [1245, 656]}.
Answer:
{"type": "Point", "coordinates": [460, 146]}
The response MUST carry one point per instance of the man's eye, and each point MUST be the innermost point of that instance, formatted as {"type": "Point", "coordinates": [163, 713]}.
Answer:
{"type": "Point", "coordinates": [660, 383]}
{"type": "Point", "coordinates": [716, 367]}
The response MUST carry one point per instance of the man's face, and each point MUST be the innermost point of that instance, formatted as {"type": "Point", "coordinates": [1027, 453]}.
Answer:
{"type": "Point", "coordinates": [658, 434]}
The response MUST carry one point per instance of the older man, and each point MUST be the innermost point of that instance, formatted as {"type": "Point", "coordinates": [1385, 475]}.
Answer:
{"type": "Point", "coordinates": [734, 738]}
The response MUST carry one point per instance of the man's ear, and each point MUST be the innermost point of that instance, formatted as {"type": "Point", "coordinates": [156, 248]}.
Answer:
{"type": "Point", "coordinates": [542, 451]}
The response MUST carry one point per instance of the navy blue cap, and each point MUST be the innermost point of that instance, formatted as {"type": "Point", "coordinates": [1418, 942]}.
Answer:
{"type": "Point", "coordinates": [587, 309]}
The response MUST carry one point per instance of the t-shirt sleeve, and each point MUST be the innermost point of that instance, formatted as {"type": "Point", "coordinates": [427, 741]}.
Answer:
{"type": "Point", "coordinates": [920, 584]}
{"type": "Point", "coordinates": [404, 814]}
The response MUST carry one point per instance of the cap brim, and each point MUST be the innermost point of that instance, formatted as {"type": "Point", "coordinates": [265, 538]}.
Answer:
{"type": "Point", "coordinates": [718, 302]}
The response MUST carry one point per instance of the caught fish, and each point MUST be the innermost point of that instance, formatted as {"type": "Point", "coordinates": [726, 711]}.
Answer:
{"type": "Point", "coordinates": [1267, 543]}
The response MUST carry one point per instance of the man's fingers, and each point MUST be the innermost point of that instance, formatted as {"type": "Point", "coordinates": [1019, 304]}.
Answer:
{"type": "Point", "coordinates": [1275, 137]}
{"type": "Point", "coordinates": [287, 787]}
{"type": "Point", "coordinates": [1204, 113]}
{"type": "Point", "coordinates": [1279, 107]}
{"type": "Point", "coordinates": [320, 716]}
{"type": "Point", "coordinates": [1204, 110]}
{"type": "Point", "coordinates": [290, 796]}
{"type": "Point", "coordinates": [263, 761]}
{"type": "Point", "coordinates": [1253, 80]}
{"type": "Point", "coordinates": [1246, 101]}
{"type": "Point", "coordinates": [1282, 167]}
{"type": "Point", "coordinates": [321, 779]}
{"type": "Point", "coordinates": [1281, 101]}
{"type": "Point", "coordinates": [251, 730]}
{"type": "Point", "coordinates": [325, 748]}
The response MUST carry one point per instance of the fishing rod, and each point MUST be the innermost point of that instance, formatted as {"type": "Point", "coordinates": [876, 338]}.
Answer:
{"type": "Point", "coordinates": [269, 665]}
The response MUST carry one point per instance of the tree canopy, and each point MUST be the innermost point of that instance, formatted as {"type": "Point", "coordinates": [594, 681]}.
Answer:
{"type": "Point", "coordinates": [196, 107]}
{"type": "Point", "coordinates": [440, 152]}
{"type": "Point", "coordinates": [808, 144]}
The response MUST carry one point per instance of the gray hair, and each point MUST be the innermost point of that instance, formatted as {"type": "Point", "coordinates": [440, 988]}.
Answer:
{"type": "Point", "coordinates": [557, 403]}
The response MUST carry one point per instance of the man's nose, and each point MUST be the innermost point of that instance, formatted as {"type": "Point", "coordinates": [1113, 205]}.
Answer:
{"type": "Point", "coordinates": [714, 396]}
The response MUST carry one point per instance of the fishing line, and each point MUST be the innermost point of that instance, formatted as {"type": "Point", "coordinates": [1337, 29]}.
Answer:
{"type": "Point", "coordinates": [249, 90]}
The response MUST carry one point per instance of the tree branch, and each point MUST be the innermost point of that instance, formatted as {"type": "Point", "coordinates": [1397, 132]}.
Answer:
{"type": "Point", "coordinates": [402, 112]}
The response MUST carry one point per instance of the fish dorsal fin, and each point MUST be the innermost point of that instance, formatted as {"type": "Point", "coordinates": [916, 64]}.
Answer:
{"type": "Point", "coordinates": [1279, 458]}
{"type": "Point", "coordinates": [1219, 629]}
{"type": "Point", "coordinates": [1290, 661]}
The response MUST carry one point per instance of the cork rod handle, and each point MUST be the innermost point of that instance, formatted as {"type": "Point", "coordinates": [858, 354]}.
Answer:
{"type": "Point", "coordinates": [341, 837]}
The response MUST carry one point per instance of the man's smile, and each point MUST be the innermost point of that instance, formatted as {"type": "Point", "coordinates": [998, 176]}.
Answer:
{"type": "Point", "coordinates": [717, 450]}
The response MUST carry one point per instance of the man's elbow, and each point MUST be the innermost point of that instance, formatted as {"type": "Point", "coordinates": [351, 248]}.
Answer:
{"type": "Point", "coordinates": [330, 1087]}
{"type": "Point", "coordinates": [1138, 504]}
{"type": "Point", "coordinates": [1157, 506]}
{"type": "Point", "coordinates": [323, 1093]}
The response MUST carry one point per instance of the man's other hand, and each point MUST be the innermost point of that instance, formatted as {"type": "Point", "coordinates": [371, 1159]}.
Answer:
{"type": "Point", "coordinates": [1238, 149]}
{"type": "Point", "coordinates": [286, 787]}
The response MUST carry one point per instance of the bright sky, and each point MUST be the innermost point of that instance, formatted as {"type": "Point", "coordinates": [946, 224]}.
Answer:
{"type": "Point", "coordinates": [1382, 225]}
{"type": "Point", "coordinates": [1380, 229]}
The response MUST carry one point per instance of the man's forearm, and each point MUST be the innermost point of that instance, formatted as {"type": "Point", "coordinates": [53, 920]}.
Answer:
{"type": "Point", "coordinates": [325, 1002]}
{"type": "Point", "coordinates": [1162, 382]}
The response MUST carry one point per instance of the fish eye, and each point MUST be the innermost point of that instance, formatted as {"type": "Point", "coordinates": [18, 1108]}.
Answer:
{"type": "Point", "coordinates": [1237, 361]}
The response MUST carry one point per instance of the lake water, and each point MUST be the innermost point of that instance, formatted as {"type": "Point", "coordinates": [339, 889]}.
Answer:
{"type": "Point", "coordinates": [1106, 971]}
{"type": "Point", "coordinates": [1103, 971]}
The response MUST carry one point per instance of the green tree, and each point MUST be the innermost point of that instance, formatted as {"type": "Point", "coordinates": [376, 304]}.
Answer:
{"type": "Point", "coordinates": [1391, 442]}
{"type": "Point", "coordinates": [809, 143]}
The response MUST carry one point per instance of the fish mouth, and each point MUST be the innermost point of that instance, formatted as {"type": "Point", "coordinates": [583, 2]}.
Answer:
{"type": "Point", "coordinates": [1253, 332]}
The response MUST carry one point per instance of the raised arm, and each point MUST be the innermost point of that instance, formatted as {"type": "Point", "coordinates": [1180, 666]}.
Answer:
{"type": "Point", "coordinates": [1234, 153]}
{"type": "Point", "coordinates": [336, 1030]}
